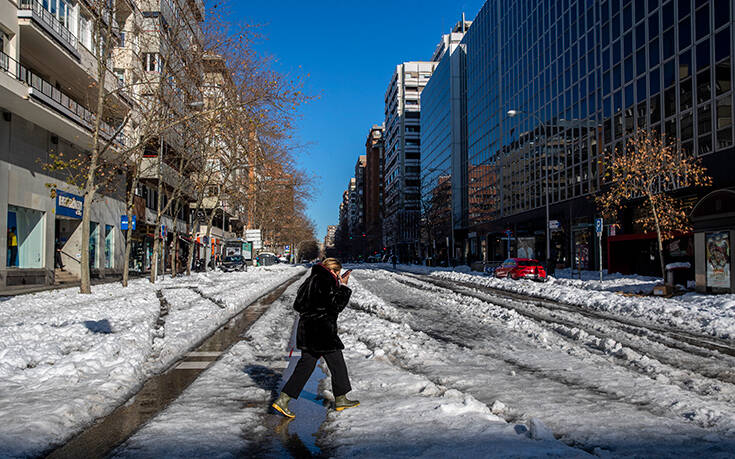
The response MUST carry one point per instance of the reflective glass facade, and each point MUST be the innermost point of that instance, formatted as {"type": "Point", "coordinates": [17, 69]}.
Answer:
{"type": "Point", "coordinates": [436, 152]}
{"type": "Point", "coordinates": [582, 75]}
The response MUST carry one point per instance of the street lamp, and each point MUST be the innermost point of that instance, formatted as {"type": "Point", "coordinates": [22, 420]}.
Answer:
{"type": "Point", "coordinates": [511, 114]}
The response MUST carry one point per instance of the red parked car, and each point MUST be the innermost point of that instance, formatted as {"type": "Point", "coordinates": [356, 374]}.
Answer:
{"type": "Point", "coordinates": [521, 268]}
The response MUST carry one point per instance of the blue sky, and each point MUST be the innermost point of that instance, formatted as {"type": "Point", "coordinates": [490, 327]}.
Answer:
{"type": "Point", "coordinates": [350, 50]}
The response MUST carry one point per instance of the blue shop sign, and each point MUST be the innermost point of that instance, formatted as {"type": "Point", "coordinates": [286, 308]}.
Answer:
{"type": "Point", "coordinates": [69, 205]}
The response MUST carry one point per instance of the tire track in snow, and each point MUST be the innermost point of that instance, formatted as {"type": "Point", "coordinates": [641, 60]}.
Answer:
{"type": "Point", "coordinates": [615, 339]}
{"type": "Point", "coordinates": [650, 404]}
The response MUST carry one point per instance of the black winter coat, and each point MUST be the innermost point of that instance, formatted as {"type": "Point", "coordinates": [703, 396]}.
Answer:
{"type": "Point", "coordinates": [319, 301]}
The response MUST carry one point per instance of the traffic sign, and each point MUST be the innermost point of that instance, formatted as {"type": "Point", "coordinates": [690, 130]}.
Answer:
{"type": "Point", "coordinates": [598, 226]}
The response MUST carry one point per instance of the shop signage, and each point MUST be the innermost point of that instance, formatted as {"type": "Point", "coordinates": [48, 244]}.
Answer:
{"type": "Point", "coordinates": [69, 205]}
{"type": "Point", "coordinates": [718, 259]}
{"type": "Point", "coordinates": [554, 224]}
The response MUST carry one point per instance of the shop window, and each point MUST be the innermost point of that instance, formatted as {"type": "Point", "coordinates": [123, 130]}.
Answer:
{"type": "Point", "coordinates": [94, 242]}
{"type": "Point", "coordinates": [704, 88]}
{"type": "Point", "coordinates": [25, 238]}
{"type": "Point", "coordinates": [109, 246]}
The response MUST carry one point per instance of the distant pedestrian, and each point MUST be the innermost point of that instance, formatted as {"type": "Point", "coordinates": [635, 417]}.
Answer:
{"type": "Point", "coordinates": [58, 263]}
{"type": "Point", "coordinates": [12, 246]}
{"type": "Point", "coordinates": [394, 260]}
{"type": "Point", "coordinates": [319, 301]}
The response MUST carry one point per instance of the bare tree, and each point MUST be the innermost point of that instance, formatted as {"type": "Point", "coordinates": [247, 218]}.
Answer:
{"type": "Point", "coordinates": [649, 169]}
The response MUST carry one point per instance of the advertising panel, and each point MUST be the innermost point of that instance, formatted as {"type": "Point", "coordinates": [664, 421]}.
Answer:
{"type": "Point", "coordinates": [718, 259]}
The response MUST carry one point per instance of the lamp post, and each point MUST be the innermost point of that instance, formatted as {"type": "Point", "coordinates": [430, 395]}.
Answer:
{"type": "Point", "coordinates": [511, 114]}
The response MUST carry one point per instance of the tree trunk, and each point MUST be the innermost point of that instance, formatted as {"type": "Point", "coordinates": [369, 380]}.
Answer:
{"type": "Point", "coordinates": [659, 240]}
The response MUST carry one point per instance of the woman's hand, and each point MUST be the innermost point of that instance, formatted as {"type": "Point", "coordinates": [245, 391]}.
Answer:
{"type": "Point", "coordinates": [344, 279]}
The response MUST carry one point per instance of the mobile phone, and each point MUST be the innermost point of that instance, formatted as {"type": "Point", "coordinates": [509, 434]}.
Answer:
{"type": "Point", "coordinates": [346, 273]}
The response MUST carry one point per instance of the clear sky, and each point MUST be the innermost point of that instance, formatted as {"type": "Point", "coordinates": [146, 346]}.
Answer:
{"type": "Point", "coordinates": [350, 49]}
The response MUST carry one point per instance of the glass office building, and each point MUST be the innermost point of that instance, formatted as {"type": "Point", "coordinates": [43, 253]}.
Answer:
{"type": "Point", "coordinates": [581, 76]}
{"type": "Point", "coordinates": [538, 58]}
{"type": "Point", "coordinates": [444, 149]}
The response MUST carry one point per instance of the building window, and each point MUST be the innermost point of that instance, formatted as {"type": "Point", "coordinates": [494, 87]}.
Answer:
{"type": "Point", "coordinates": [152, 62]}
{"type": "Point", "coordinates": [25, 238]}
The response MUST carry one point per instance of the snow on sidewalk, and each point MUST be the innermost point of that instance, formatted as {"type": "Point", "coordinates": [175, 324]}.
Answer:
{"type": "Point", "coordinates": [709, 315]}
{"type": "Point", "coordinates": [66, 358]}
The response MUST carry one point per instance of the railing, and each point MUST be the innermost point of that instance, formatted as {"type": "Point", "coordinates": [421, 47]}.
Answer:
{"type": "Point", "coordinates": [64, 103]}
{"type": "Point", "coordinates": [50, 20]}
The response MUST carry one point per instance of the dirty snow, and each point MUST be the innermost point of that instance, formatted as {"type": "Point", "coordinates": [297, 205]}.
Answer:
{"type": "Point", "coordinates": [66, 358]}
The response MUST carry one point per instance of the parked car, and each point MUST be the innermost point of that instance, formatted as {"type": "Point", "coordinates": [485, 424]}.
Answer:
{"type": "Point", "coordinates": [521, 268]}
{"type": "Point", "coordinates": [234, 263]}
{"type": "Point", "coordinates": [267, 259]}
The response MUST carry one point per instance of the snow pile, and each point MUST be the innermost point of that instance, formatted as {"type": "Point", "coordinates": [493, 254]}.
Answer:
{"type": "Point", "coordinates": [66, 358]}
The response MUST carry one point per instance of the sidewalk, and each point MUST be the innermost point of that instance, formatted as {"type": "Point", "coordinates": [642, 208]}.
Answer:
{"type": "Point", "coordinates": [67, 359]}
{"type": "Point", "coordinates": [26, 289]}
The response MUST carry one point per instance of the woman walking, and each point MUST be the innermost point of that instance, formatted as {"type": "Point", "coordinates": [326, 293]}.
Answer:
{"type": "Point", "coordinates": [319, 301]}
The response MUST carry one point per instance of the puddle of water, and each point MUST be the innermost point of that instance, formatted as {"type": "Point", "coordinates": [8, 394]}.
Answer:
{"type": "Point", "coordinates": [297, 437]}
{"type": "Point", "coordinates": [159, 391]}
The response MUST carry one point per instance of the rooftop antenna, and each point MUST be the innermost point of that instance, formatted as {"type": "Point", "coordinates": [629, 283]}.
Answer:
{"type": "Point", "coordinates": [463, 30]}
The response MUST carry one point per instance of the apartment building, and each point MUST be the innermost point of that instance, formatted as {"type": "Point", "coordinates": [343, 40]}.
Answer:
{"type": "Point", "coordinates": [375, 156]}
{"type": "Point", "coordinates": [402, 181]}
{"type": "Point", "coordinates": [48, 81]}
{"type": "Point", "coordinates": [48, 77]}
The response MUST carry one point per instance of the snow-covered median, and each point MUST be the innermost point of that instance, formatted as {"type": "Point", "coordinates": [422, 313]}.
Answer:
{"type": "Point", "coordinates": [708, 315]}
{"type": "Point", "coordinates": [66, 358]}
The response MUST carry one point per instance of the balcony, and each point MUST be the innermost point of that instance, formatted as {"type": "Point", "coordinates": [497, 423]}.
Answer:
{"type": "Point", "coordinates": [35, 12]}
{"type": "Point", "coordinates": [52, 97]}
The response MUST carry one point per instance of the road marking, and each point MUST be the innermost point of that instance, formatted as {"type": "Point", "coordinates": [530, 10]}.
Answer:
{"type": "Point", "coordinates": [193, 365]}
{"type": "Point", "coordinates": [203, 354]}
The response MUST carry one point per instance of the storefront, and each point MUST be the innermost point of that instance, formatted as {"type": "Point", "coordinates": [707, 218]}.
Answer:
{"type": "Point", "coordinates": [714, 232]}
{"type": "Point", "coordinates": [25, 238]}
